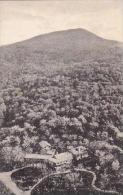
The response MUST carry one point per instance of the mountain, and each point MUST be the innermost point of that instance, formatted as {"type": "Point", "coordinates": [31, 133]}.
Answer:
{"type": "Point", "coordinates": [66, 47]}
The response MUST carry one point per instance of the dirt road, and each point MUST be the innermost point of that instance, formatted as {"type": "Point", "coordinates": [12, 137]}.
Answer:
{"type": "Point", "coordinates": [5, 177]}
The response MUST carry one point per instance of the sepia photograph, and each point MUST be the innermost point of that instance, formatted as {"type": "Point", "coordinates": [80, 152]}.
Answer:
{"type": "Point", "coordinates": [61, 97]}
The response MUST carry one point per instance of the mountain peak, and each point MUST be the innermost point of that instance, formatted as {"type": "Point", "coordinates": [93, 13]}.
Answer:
{"type": "Point", "coordinates": [71, 33]}
{"type": "Point", "coordinates": [67, 47]}
{"type": "Point", "coordinates": [76, 30]}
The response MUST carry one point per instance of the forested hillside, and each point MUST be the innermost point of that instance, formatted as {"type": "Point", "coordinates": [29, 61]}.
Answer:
{"type": "Point", "coordinates": [62, 48]}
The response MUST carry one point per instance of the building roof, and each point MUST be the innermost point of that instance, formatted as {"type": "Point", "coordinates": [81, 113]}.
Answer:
{"type": "Point", "coordinates": [58, 159]}
{"type": "Point", "coordinates": [39, 157]}
{"type": "Point", "coordinates": [44, 144]}
{"type": "Point", "coordinates": [78, 150]}
{"type": "Point", "coordinates": [65, 156]}
{"type": "Point", "coordinates": [36, 156]}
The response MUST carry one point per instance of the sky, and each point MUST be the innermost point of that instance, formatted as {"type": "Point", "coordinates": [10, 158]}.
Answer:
{"type": "Point", "coordinates": [20, 20]}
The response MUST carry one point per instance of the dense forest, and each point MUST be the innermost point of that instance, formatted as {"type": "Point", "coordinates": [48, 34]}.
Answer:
{"type": "Point", "coordinates": [81, 106]}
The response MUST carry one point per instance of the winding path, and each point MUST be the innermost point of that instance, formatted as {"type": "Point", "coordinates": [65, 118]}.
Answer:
{"type": "Point", "coordinates": [80, 170]}
{"type": "Point", "coordinates": [93, 183]}
{"type": "Point", "coordinates": [5, 177]}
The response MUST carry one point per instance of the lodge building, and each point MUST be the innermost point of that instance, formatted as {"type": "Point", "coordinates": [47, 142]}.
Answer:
{"type": "Point", "coordinates": [46, 162]}
{"type": "Point", "coordinates": [58, 162]}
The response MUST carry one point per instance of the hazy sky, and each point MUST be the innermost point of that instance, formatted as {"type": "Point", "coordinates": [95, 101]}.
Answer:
{"type": "Point", "coordinates": [20, 20]}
